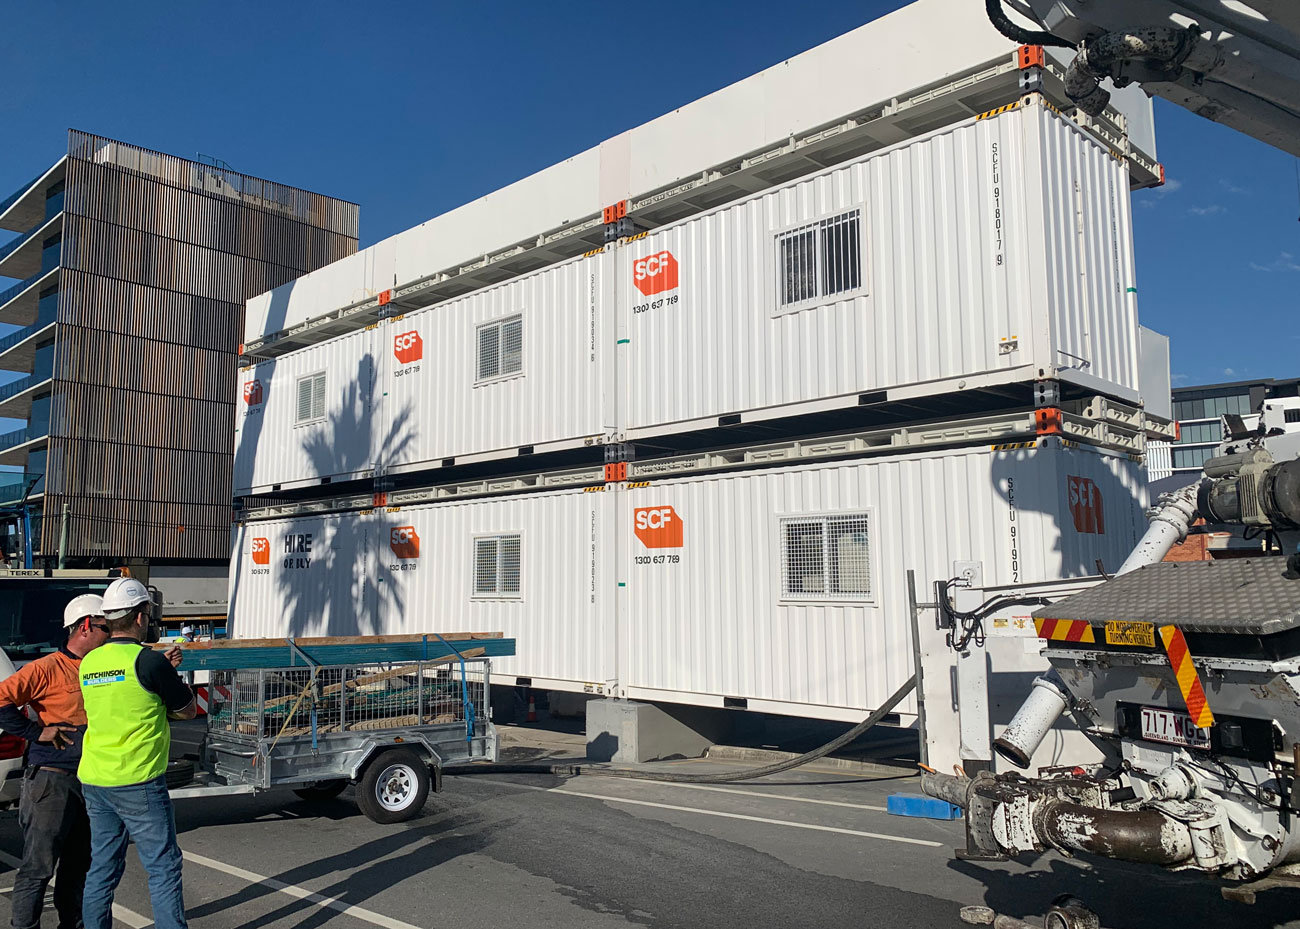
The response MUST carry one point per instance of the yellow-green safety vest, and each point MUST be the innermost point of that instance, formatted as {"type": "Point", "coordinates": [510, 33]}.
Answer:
{"type": "Point", "coordinates": [127, 735]}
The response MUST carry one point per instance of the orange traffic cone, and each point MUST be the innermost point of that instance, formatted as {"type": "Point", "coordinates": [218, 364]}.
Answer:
{"type": "Point", "coordinates": [532, 708]}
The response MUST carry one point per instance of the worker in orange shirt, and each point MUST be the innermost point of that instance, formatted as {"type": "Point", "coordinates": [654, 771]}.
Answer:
{"type": "Point", "coordinates": [52, 811]}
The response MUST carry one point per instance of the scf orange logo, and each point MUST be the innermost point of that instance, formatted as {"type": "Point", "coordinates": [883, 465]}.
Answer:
{"type": "Point", "coordinates": [261, 551]}
{"type": "Point", "coordinates": [658, 527]}
{"type": "Point", "coordinates": [1085, 505]}
{"type": "Point", "coordinates": [404, 542]}
{"type": "Point", "coordinates": [252, 392]}
{"type": "Point", "coordinates": [408, 347]}
{"type": "Point", "coordinates": [655, 274]}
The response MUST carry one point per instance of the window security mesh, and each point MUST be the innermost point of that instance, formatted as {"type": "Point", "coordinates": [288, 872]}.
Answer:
{"type": "Point", "coordinates": [825, 558]}
{"type": "Point", "coordinates": [496, 566]}
{"type": "Point", "coordinates": [311, 398]}
{"type": "Point", "coordinates": [501, 348]}
{"type": "Point", "coordinates": [820, 259]}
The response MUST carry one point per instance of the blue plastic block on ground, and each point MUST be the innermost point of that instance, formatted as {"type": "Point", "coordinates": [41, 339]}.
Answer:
{"type": "Point", "coordinates": [922, 807]}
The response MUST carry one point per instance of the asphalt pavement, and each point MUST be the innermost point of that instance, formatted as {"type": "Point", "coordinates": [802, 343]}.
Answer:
{"type": "Point", "coordinates": [813, 847]}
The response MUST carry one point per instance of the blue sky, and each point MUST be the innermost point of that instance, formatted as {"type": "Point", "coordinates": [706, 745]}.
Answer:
{"type": "Point", "coordinates": [412, 109]}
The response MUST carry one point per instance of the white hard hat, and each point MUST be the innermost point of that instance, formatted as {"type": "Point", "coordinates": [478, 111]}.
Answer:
{"type": "Point", "coordinates": [187, 630]}
{"type": "Point", "coordinates": [124, 595]}
{"type": "Point", "coordinates": [79, 608]}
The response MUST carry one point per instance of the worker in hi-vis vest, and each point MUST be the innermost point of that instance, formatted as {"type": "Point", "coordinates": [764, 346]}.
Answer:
{"type": "Point", "coordinates": [129, 691]}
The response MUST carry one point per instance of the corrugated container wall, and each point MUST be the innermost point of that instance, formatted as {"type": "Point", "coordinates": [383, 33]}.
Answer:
{"type": "Point", "coordinates": [874, 68]}
{"type": "Point", "coordinates": [784, 586]}
{"type": "Point", "coordinates": [519, 364]}
{"type": "Point", "coordinates": [309, 415]}
{"type": "Point", "coordinates": [992, 252]}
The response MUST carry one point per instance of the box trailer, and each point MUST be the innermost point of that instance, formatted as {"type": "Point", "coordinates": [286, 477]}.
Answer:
{"type": "Point", "coordinates": [994, 252]}
{"type": "Point", "coordinates": [781, 589]}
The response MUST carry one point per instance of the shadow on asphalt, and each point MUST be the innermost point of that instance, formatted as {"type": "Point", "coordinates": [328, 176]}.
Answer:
{"type": "Point", "coordinates": [361, 872]}
{"type": "Point", "coordinates": [1125, 896]}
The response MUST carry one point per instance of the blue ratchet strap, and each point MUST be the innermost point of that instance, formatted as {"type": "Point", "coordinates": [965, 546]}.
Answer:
{"type": "Point", "coordinates": [464, 690]}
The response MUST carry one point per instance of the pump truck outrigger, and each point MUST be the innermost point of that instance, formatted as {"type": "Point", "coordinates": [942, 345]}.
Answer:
{"type": "Point", "coordinates": [1186, 676]}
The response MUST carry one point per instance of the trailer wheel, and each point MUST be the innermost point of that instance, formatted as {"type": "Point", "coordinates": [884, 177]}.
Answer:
{"type": "Point", "coordinates": [394, 787]}
{"type": "Point", "coordinates": [178, 773]}
{"type": "Point", "coordinates": [322, 790]}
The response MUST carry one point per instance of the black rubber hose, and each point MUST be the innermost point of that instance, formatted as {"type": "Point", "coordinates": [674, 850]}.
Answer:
{"type": "Point", "coordinates": [998, 17]}
{"type": "Point", "coordinates": [722, 777]}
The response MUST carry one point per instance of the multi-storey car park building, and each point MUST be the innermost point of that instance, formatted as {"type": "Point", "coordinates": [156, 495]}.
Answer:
{"type": "Point", "coordinates": [133, 268]}
{"type": "Point", "coordinates": [682, 412]}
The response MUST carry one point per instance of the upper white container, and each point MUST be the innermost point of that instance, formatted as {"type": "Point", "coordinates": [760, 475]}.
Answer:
{"type": "Point", "coordinates": [523, 365]}
{"type": "Point", "coordinates": [868, 70]}
{"type": "Point", "coordinates": [996, 250]}
{"type": "Point", "coordinates": [785, 587]}
{"type": "Point", "coordinates": [993, 252]}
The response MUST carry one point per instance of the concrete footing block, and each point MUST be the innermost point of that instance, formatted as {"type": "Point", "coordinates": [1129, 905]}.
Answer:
{"type": "Point", "coordinates": [628, 732]}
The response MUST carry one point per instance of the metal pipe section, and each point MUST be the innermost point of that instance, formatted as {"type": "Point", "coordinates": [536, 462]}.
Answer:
{"type": "Point", "coordinates": [1035, 718]}
{"type": "Point", "coordinates": [1168, 527]}
{"type": "Point", "coordinates": [1142, 836]}
{"type": "Point", "coordinates": [946, 787]}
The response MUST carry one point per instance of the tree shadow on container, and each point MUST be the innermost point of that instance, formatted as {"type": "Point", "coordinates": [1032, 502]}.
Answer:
{"type": "Point", "coordinates": [346, 588]}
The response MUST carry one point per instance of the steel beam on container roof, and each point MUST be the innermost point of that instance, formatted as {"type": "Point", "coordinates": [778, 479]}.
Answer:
{"type": "Point", "coordinates": [873, 128]}
{"type": "Point", "coordinates": [1096, 421]}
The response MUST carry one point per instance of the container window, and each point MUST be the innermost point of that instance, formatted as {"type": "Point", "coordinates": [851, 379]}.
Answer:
{"type": "Point", "coordinates": [496, 566]}
{"type": "Point", "coordinates": [821, 259]}
{"type": "Point", "coordinates": [501, 348]}
{"type": "Point", "coordinates": [826, 558]}
{"type": "Point", "coordinates": [311, 399]}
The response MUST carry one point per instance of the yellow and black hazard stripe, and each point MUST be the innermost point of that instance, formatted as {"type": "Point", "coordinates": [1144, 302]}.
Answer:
{"type": "Point", "coordinates": [1008, 446]}
{"type": "Point", "coordinates": [1000, 110]}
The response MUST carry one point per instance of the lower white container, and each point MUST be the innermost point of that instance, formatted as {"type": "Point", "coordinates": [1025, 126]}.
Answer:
{"type": "Point", "coordinates": [782, 588]}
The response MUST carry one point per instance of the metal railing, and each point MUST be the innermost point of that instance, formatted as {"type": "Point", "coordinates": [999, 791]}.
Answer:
{"type": "Point", "coordinates": [43, 319]}
{"type": "Point", "coordinates": [7, 295]}
{"type": "Point", "coordinates": [13, 484]}
{"type": "Point", "coordinates": [18, 194]}
{"type": "Point", "coordinates": [15, 387]}
{"type": "Point", "coordinates": [22, 436]}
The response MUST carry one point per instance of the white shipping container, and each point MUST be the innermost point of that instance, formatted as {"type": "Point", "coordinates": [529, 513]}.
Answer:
{"type": "Point", "coordinates": [870, 69]}
{"type": "Point", "coordinates": [308, 416]}
{"type": "Point", "coordinates": [993, 251]}
{"type": "Point", "coordinates": [519, 364]}
{"type": "Point", "coordinates": [785, 587]}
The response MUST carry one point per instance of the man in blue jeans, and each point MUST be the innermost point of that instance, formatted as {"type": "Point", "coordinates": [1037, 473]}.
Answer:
{"type": "Point", "coordinates": [130, 691]}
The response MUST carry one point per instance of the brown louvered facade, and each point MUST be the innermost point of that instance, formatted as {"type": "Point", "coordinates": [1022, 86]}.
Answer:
{"type": "Point", "coordinates": [158, 256]}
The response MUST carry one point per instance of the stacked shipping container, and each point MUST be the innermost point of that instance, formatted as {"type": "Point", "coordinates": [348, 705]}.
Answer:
{"type": "Point", "coordinates": [783, 587]}
{"type": "Point", "coordinates": [995, 251]}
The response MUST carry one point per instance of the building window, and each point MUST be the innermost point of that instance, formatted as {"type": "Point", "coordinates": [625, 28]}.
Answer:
{"type": "Point", "coordinates": [1200, 433]}
{"type": "Point", "coordinates": [818, 260]}
{"type": "Point", "coordinates": [1212, 407]}
{"type": "Point", "coordinates": [1191, 457]}
{"type": "Point", "coordinates": [311, 399]}
{"type": "Point", "coordinates": [501, 348]}
{"type": "Point", "coordinates": [496, 566]}
{"type": "Point", "coordinates": [826, 558]}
